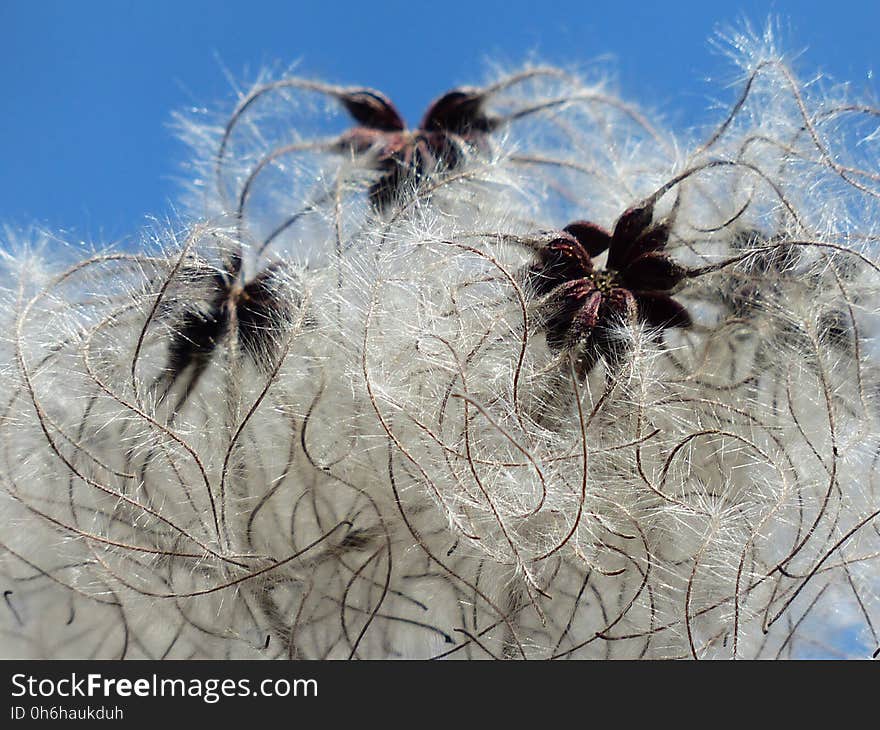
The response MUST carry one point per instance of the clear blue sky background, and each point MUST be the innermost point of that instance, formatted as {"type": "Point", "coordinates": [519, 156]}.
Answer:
{"type": "Point", "coordinates": [89, 86]}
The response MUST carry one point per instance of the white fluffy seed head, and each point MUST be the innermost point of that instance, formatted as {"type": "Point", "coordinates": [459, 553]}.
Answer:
{"type": "Point", "coordinates": [308, 427]}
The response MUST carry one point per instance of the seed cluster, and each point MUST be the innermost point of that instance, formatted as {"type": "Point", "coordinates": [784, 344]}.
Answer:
{"type": "Point", "coordinates": [427, 392]}
{"type": "Point", "coordinates": [583, 304]}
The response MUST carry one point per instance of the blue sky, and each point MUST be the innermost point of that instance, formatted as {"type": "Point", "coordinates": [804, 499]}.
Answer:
{"type": "Point", "coordinates": [89, 86]}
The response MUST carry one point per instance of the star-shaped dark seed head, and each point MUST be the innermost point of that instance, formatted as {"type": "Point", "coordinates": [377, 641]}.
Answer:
{"type": "Point", "coordinates": [582, 304]}
{"type": "Point", "coordinates": [407, 156]}
{"type": "Point", "coordinates": [255, 311]}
